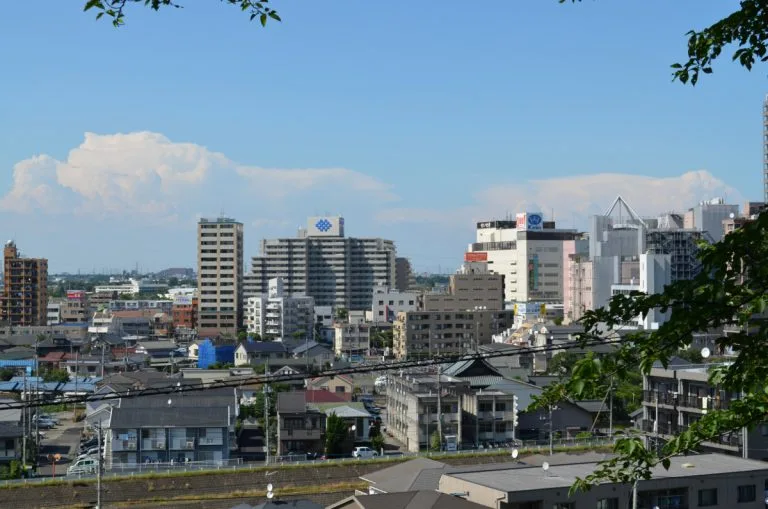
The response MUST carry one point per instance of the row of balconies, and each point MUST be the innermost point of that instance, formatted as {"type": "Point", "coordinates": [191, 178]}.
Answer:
{"type": "Point", "coordinates": [692, 401]}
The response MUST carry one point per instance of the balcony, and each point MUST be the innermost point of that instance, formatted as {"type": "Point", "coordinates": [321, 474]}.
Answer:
{"type": "Point", "coordinates": [183, 444]}
{"type": "Point", "coordinates": [153, 444]}
{"type": "Point", "coordinates": [210, 441]}
{"type": "Point", "coordinates": [301, 433]}
{"type": "Point", "coordinates": [124, 445]}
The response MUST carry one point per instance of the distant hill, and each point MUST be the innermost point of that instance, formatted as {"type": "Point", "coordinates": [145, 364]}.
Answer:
{"type": "Point", "coordinates": [177, 272]}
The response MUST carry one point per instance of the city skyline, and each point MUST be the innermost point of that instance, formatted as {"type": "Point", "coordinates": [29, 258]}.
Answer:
{"type": "Point", "coordinates": [465, 126]}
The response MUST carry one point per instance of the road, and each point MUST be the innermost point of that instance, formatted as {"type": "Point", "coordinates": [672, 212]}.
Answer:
{"type": "Point", "coordinates": [64, 439]}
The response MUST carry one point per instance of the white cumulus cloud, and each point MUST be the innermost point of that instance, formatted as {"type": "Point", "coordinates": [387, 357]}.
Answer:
{"type": "Point", "coordinates": [574, 199]}
{"type": "Point", "coordinates": [148, 175]}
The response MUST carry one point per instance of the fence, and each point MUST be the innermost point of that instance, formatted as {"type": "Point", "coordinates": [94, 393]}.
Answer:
{"type": "Point", "coordinates": [128, 469]}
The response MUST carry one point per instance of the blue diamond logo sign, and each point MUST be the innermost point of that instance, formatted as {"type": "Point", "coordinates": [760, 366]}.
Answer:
{"type": "Point", "coordinates": [323, 225]}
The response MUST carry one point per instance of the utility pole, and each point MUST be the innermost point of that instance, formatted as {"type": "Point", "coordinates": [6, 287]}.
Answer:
{"type": "Point", "coordinates": [98, 467]}
{"type": "Point", "coordinates": [266, 414]}
{"type": "Point", "coordinates": [102, 360]}
{"type": "Point", "coordinates": [634, 494]}
{"type": "Point", "coordinates": [24, 424]}
{"type": "Point", "coordinates": [551, 431]}
{"type": "Point", "coordinates": [610, 410]}
{"type": "Point", "coordinates": [439, 406]}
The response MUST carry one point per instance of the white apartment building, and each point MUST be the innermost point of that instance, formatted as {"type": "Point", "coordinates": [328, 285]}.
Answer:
{"type": "Point", "coordinates": [351, 339]}
{"type": "Point", "coordinates": [321, 262]}
{"type": "Point", "coordinates": [387, 303]}
{"type": "Point", "coordinates": [220, 276]}
{"type": "Point", "coordinates": [528, 252]}
{"type": "Point", "coordinates": [278, 316]}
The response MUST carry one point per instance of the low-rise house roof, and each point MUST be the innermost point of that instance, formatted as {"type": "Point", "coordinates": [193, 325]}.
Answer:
{"type": "Point", "coordinates": [264, 347]}
{"type": "Point", "coordinates": [406, 500]}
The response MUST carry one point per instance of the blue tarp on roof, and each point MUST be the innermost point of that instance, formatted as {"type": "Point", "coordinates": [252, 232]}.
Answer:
{"type": "Point", "coordinates": [8, 386]}
{"type": "Point", "coordinates": [23, 363]}
{"type": "Point", "coordinates": [71, 387]}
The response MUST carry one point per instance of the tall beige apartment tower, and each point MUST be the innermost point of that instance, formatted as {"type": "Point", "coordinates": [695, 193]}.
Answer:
{"type": "Point", "coordinates": [24, 300]}
{"type": "Point", "coordinates": [219, 277]}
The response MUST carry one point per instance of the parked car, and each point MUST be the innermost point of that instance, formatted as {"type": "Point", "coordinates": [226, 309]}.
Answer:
{"type": "Point", "coordinates": [83, 466]}
{"type": "Point", "coordinates": [45, 423]}
{"type": "Point", "coordinates": [364, 453]}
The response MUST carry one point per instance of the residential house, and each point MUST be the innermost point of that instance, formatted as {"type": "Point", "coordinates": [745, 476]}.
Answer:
{"type": "Point", "coordinates": [337, 383]}
{"type": "Point", "coordinates": [282, 504]}
{"type": "Point", "coordinates": [171, 428]}
{"type": "Point", "coordinates": [209, 353]}
{"type": "Point", "coordinates": [317, 354]}
{"type": "Point", "coordinates": [302, 421]}
{"type": "Point", "coordinates": [260, 352]}
{"type": "Point", "coordinates": [300, 428]}
{"type": "Point", "coordinates": [161, 353]}
{"type": "Point", "coordinates": [11, 432]}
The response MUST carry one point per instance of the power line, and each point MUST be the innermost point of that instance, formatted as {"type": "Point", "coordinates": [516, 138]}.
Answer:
{"type": "Point", "coordinates": [261, 379]}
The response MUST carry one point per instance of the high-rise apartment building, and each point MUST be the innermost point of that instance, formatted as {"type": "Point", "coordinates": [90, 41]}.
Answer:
{"type": "Point", "coordinates": [322, 263]}
{"type": "Point", "coordinates": [220, 276]}
{"type": "Point", "coordinates": [25, 290]}
{"type": "Point", "coordinates": [528, 252]}
{"type": "Point", "coordinates": [404, 278]}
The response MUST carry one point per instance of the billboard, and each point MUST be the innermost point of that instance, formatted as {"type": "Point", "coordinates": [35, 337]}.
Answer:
{"type": "Point", "coordinates": [477, 256]}
{"type": "Point", "coordinates": [533, 273]}
{"type": "Point", "coordinates": [530, 221]}
{"type": "Point", "coordinates": [325, 226]}
{"type": "Point", "coordinates": [182, 300]}
{"type": "Point", "coordinates": [534, 221]}
{"type": "Point", "coordinates": [520, 220]}
{"type": "Point", "coordinates": [75, 294]}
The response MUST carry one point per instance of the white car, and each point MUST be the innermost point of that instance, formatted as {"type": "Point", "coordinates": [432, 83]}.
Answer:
{"type": "Point", "coordinates": [364, 453]}
{"type": "Point", "coordinates": [83, 466]}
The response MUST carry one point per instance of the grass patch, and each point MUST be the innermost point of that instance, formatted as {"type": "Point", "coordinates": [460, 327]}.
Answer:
{"type": "Point", "coordinates": [255, 493]}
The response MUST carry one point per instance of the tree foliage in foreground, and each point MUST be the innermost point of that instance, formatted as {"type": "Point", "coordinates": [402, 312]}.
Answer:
{"type": "Point", "coordinates": [746, 29]}
{"type": "Point", "coordinates": [115, 9]}
{"type": "Point", "coordinates": [732, 292]}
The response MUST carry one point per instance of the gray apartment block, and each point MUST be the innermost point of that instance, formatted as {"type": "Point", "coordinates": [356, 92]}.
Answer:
{"type": "Point", "coordinates": [425, 334]}
{"type": "Point", "coordinates": [676, 397]}
{"type": "Point", "coordinates": [713, 481]}
{"type": "Point", "coordinates": [468, 291]}
{"type": "Point", "coordinates": [220, 276]}
{"type": "Point", "coordinates": [321, 263]}
{"type": "Point", "coordinates": [169, 428]}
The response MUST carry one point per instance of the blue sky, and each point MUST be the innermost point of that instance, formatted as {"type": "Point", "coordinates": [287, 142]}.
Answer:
{"type": "Point", "coordinates": [412, 119]}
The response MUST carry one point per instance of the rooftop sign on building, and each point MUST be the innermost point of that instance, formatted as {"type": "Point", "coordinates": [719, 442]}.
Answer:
{"type": "Point", "coordinates": [325, 226]}
{"type": "Point", "coordinates": [532, 221]}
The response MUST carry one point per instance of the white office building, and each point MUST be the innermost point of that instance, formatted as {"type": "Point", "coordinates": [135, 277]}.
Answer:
{"type": "Point", "coordinates": [528, 252]}
{"type": "Point", "coordinates": [387, 303]}
{"type": "Point", "coordinates": [321, 262]}
{"type": "Point", "coordinates": [277, 316]}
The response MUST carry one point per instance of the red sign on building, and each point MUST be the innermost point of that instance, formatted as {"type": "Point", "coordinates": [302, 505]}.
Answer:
{"type": "Point", "coordinates": [479, 256]}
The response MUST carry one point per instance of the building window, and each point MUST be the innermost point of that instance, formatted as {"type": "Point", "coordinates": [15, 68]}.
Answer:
{"type": "Point", "coordinates": [747, 493]}
{"type": "Point", "coordinates": [608, 503]}
{"type": "Point", "coordinates": [563, 505]}
{"type": "Point", "coordinates": [708, 497]}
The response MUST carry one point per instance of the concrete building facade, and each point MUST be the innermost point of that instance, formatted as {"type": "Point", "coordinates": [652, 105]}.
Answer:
{"type": "Point", "coordinates": [322, 263]}
{"type": "Point", "coordinates": [278, 316]}
{"type": "Point", "coordinates": [528, 252]}
{"type": "Point", "coordinates": [388, 302]}
{"type": "Point", "coordinates": [220, 276]}
{"type": "Point", "coordinates": [25, 288]}
{"type": "Point", "coordinates": [421, 334]}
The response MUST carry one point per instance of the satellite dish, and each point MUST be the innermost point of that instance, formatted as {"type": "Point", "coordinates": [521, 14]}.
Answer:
{"type": "Point", "coordinates": [270, 495]}
{"type": "Point", "coordinates": [705, 353]}
{"type": "Point", "coordinates": [545, 466]}
{"type": "Point", "coordinates": [169, 402]}
{"type": "Point", "coordinates": [269, 487]}
{"type": "Point", "coordinates": [731, 215]}
{"type": "Point", "coordinates": [515, 453]}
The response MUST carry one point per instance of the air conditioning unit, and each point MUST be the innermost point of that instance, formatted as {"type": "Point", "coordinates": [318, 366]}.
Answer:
{"type": "Point", "coordinates": [158, 444]}
{"type": "Point", "coordinates": [189, 444]}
